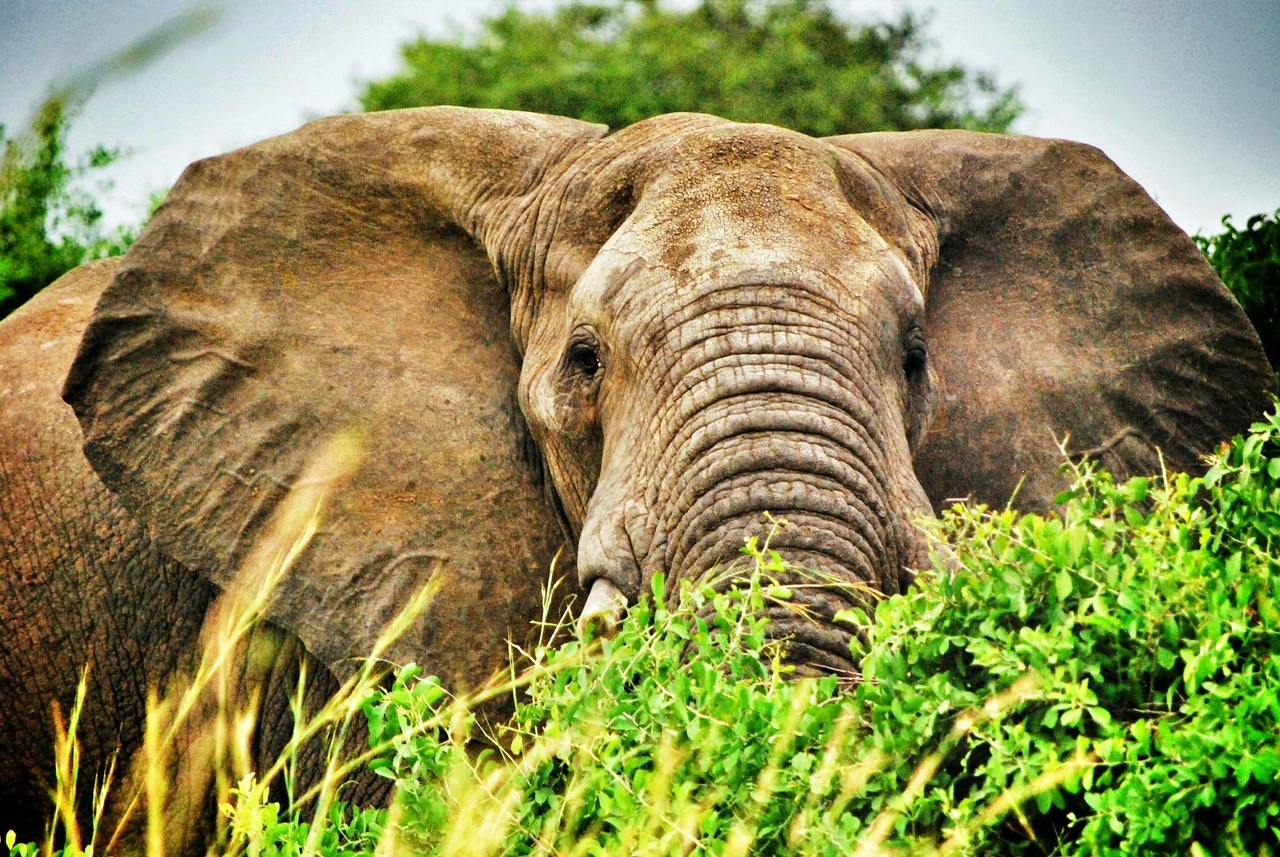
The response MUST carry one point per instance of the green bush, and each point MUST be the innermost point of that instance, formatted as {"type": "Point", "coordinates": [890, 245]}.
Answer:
{"type": "Point", "coordinates": [1248, 261]}
{"type": "Point", "coordinates": [793, 63]}
{"type": "Point", "coordinates": [1107, 682]}
{"type": "Point", "coordinates": [1104, 682]}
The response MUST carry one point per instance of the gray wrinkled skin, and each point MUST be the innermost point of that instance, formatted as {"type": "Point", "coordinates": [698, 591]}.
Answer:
{"type": "Point", "coordinates": [549, 338]}
{"type": "Point", "coordinates": [85, 588]}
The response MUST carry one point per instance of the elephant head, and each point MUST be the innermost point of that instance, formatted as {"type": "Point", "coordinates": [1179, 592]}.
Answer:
{"type": "Point", "coordinates": [637, 343]}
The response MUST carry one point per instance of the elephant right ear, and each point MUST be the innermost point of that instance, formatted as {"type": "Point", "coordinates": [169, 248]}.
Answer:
{"type": "Point", "coordinates": [1062, 304]}
{"type": "Point", "coordinates": [335, 279]}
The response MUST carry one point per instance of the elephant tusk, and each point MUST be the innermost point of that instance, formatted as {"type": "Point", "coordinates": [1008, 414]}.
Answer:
{"type": "Point", "coordinates": [605, 607]}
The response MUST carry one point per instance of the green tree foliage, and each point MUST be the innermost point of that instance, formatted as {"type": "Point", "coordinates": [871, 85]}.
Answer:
{"type": "Point", "coordinates": [48, 225]}
{"type": "Point", "coordinates": [1248, 261]}
{"type": "Point", "coordinates": [49, 222]}
{"type": "Point", "coordinates": [794, 63]}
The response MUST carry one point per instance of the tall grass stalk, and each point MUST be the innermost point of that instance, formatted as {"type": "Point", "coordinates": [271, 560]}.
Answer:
{"type": "Point", "coordinates": [198, 735]}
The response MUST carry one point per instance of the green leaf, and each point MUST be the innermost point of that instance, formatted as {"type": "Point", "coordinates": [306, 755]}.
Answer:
{"type": "Point", "coordinates": [1062, 584]}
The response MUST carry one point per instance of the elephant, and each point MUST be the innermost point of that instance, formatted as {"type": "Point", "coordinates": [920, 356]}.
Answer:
{"type": "Point", "coordinates": [622, 348]}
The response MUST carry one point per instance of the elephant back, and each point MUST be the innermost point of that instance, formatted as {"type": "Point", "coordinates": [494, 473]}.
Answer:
{"type": "Point", "coordinates": [82, 586]}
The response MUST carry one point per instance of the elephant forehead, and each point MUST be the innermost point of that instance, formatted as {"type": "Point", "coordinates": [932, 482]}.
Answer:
{"type": "Point", "coordinates": [697, 231]}
{"type": "Point", "coordinates": [686, 161]}
{"type": "Point", "coordinates": [746, 176]}
{"type": "Point", "coordinates": [712, 143]}
{"type": "Point", "coordinates": [688, 246]}
{"type": "Point", "coordinates": [684, 195]}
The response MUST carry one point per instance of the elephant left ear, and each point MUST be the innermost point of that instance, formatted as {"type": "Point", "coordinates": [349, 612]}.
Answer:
{"type": "Point", "coordinates": [339, 278]}
{"type": "Point", "coordinates": [1062, 304]}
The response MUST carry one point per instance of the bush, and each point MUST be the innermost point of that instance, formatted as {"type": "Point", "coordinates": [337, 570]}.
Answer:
{"type": "Point", "coordinates": [793, 63]}
{"type": "Point", "coordinates": [1107, 682]}
{"type": "Point", "coordinates": [1248, 261]}
{"type": "Point", "coordinates": [1104, 682]}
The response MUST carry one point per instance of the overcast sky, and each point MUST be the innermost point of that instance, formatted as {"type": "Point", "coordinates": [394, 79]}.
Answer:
{"type": "Point", "coordinates": [1183, 94]}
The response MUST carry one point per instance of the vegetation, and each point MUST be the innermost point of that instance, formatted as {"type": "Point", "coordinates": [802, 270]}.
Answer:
{"type": "Point", "coordinates": [1107, 682]}
{"type": "Point", "coordinates": [794, 63]}
{"type": "Point", "coordinates": [1248, 261]}
{"type": "Point", "coordinates": [48, 223]}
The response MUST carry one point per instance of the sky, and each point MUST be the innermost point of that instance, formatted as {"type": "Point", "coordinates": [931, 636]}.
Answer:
{"type": "Point", "coordinates": [1183, 94]}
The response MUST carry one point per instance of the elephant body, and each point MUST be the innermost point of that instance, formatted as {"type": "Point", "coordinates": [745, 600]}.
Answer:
{"type": "Point", "coordinates": [618, 349]}
{"type": "Point", "coordinates": [87, 593]}
{"type": "Point", "coordinates": [84, 586]}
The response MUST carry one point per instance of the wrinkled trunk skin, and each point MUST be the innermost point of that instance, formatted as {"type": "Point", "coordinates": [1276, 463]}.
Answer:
{"type": "Point", "coordinates": [777, 414]}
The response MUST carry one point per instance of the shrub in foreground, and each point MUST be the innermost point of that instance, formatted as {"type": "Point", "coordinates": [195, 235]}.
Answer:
{"type": "Point", "coordinates": [1106, 682]}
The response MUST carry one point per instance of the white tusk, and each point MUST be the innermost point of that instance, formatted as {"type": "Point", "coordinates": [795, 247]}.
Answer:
{"type": "Point", "coordinates": [604, 609]}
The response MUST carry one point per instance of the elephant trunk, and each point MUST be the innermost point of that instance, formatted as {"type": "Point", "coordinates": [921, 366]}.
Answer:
{"type": "Point", "coordinates": [792, 432]}
{"type": "Point", "coordinates": [814, 465]}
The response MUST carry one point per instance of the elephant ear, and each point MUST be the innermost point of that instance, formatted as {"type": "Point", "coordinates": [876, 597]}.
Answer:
{"type": "Point", "coordinates": [1063, 303]}
{"type": "Point", "coordinates": [325, 281]}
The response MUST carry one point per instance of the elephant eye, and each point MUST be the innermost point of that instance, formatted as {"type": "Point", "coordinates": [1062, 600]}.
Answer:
{"type": "Point", "coordinates": [915, 358]}
{"type": "Point", "coordinates": [584, 358]}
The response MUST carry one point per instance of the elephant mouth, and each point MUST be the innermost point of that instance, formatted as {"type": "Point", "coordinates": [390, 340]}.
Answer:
{"type": "Point", "coordinates": [604, 609]}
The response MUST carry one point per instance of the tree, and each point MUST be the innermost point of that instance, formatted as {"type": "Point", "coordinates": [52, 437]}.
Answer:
{"type": "Point", "coordinates": [1248, 261]}
{"type": "Point", "coordinates": [793, 63]}
{"type": "Point", "coordinates": [48, 225]}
